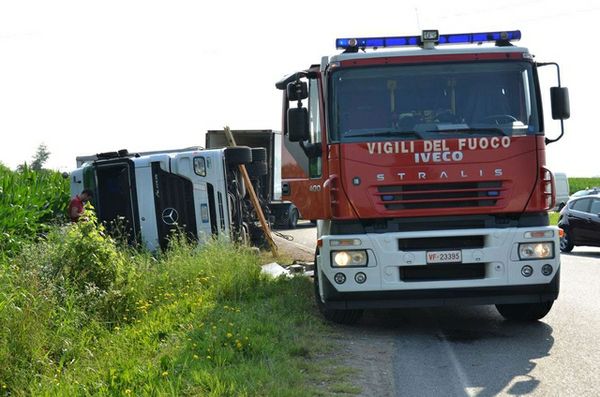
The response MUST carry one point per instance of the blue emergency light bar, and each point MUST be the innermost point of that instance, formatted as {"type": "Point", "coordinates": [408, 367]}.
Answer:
{"type": "Point", "coordinates": [428, 36]}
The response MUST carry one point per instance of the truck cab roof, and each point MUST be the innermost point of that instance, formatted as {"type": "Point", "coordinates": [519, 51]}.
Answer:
{"type": "Point", "coordinates": [410, 52]}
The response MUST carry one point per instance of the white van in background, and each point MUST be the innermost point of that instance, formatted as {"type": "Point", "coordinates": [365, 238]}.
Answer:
{"type": "Point", "coordinates": [561, 184]}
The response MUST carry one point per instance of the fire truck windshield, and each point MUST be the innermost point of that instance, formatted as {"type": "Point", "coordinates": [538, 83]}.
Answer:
{"type": "Point", "coordinates": [423, 101]}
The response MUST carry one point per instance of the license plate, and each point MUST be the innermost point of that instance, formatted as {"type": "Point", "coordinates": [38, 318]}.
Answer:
{"type": "Point", "coordinates": [444, 256]}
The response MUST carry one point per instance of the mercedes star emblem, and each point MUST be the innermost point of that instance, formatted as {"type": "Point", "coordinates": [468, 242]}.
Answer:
{"type": "Point", "coordinates": [170, 216]}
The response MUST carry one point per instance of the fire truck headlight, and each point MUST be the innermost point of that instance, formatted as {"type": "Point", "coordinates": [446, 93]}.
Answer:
{"type": "Point", "coordinates": [354, 258]}
{"type": "Point", "coordinates": [530, 251]}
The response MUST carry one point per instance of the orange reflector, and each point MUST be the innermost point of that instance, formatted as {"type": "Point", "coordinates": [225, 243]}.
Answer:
{"type": "Point", "coordinates": [561, 233]}
{"type": "Point", "coordinates": [319, 243]}
{"type": "Point", "coordinates": [539, 234]}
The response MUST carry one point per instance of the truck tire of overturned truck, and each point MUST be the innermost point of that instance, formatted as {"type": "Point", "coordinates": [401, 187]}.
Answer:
{"type": "Point", "coordinates": [238, 155]}
{"type": "Point", "coordinates": [257, 169]}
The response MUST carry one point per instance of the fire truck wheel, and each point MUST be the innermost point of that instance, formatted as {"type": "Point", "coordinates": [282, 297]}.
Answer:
{"type": "Point", "coordinates": [237, 155]}
{"type": "Point", "coordinates": [257, 168]}
{"type": "Point", "coordinates": [338, 316]}
{"type": "Point", "coordinates": [293, 218]}
{"type": "Point", "coordinates": [566, 244]}
{"type": "Point", "coordinates": [524, 311]}
{"type": "Point", "coordinates": [259, 154]}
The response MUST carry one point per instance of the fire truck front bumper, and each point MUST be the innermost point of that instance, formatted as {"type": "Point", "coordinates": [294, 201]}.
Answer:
{"type": "Point", "coordinates": [421, 269]}
{"type": "Point", "coordinates": [443, 297]}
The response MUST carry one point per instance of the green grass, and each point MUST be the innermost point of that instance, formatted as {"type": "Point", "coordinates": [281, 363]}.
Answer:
{"type": "Point", "coordinates": [553, 218]}
{"type": "Point", "coordinates": [81, 315]}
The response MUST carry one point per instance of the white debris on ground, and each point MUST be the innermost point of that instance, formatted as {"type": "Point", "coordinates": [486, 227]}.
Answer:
{"type": "Point", "coordinates": [274, 269]}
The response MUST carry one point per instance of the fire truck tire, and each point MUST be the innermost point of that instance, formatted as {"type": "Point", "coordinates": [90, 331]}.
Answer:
{"type": "Point", "coordinates": [259, 154]}
{"type": "Point", "coordinates": [257, 168]}
{"type": "Point", "coordinates": [566, 244]}
{"type": "Point", "coordinates": [237, 155]}
{"type": "Point", "coordinates": [293, 218]}
{"type": "Point", "coordinates": [339, 316]}
{"type": "Point", "coordinates": [524, 311]}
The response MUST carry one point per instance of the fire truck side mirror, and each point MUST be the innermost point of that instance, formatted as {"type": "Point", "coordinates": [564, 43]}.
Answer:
{"type": "Point", "coordinates": [559, 97]}
{"type": "Point", "coordinates": [297, 124]}
{"type": "Point", "coordinates": [297, 90]}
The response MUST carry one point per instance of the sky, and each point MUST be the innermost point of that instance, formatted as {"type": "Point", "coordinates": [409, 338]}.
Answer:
{"type": "Point", "coordinates": [84, 77]}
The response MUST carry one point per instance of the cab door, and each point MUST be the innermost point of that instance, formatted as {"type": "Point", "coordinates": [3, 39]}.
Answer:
{"type": "Point", "coordinates": [304, 176]}
{"type": "Point", "coordinates": [578, 218]}
{"type": "Point", "coordinates": [90, 182]}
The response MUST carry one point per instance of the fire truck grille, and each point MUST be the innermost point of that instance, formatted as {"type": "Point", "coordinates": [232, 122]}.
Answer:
{"type": "Point", "coordinates": [441, 243]}
{"type": "Point", "coordinates": [443, 272]}
{"type": "Point", "coordinates": [440, 195]}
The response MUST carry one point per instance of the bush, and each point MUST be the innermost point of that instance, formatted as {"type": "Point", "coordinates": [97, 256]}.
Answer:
{"type": "Point", "coordinates": [84, 255]}
{"type": "Point", "coordinates": [81, 264]}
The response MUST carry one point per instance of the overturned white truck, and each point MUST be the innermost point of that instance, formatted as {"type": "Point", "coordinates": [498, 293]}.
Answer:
{"type": "Point", "coordinates": [150, 195]}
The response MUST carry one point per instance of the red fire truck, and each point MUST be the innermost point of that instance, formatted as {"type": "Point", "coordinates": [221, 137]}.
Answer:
{"type": "Point", "coordinates": [424, 167]}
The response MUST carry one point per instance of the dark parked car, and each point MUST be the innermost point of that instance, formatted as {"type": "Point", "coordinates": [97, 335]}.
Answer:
{"type": "Point", "coordinates": [580, 220]}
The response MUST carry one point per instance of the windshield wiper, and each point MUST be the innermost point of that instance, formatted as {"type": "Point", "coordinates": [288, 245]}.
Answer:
{"type": "Point", "coordinates": [486, 130]}
{"type": "Point", "coordinates": [381, 132]}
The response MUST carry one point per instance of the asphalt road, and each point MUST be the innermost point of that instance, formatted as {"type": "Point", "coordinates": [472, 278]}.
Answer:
{"type": "Point", "coordinates": [472, 351]}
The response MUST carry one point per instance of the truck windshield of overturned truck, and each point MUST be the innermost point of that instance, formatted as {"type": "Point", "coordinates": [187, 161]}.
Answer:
{"type": "Point", "coordinates": [428, 101]}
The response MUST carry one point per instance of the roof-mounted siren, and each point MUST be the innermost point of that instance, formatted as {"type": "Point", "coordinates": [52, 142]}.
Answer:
{"type": "Point", "coordinates": [352, 46]}
{"type": "Point", "coordinates": [428, 39]}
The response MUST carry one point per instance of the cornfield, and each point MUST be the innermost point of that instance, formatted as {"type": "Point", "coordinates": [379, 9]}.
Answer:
{"type": "Point", "coordinates": [576, 184]}
{"type": "Point", "coordinates": [29, 202]}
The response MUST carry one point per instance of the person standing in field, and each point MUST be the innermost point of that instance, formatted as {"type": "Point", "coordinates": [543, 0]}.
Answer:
{"type": "Point", "coordinates": [77, 204]}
